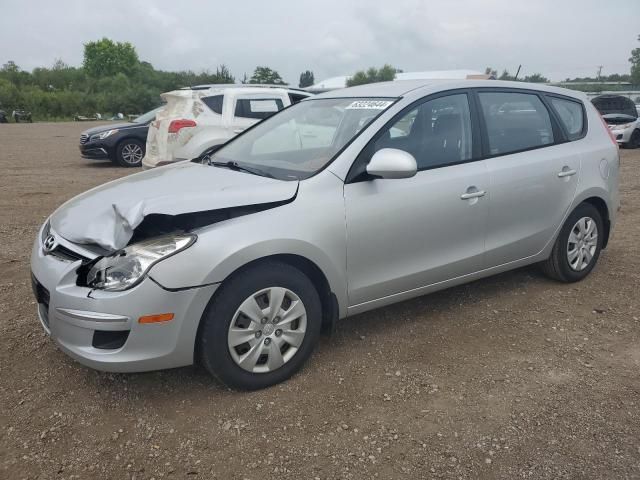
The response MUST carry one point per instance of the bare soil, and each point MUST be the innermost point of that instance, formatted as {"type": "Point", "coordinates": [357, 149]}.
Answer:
{"type": "Point", "coordinates": [515, 376]}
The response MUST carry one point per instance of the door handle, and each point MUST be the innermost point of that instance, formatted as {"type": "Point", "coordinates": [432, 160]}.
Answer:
{"type": "Point", "coordinates": [476, 194]}
{"type": "Point", "coordinates": [238, 130]}
{"type": "Point", "coordinates": [566, 172]}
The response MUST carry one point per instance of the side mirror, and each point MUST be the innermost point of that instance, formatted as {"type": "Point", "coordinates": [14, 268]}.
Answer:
{"type": "Point", "coordinates": [392, 163]}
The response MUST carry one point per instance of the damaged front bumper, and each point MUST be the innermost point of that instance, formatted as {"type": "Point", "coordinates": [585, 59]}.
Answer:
{"type": "Point", "coordinates": [101, 329]}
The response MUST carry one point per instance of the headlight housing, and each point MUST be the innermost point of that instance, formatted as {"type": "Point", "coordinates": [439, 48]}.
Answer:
{"type": "Point", "coordinates": [127, 267]}
{"type": "Point", "coordinates": [622, 126]}
{"type": "Point", "coordinates": [103, 135]}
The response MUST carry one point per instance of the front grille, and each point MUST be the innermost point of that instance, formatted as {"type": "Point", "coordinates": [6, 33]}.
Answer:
{"type": "Point", "coordinates": [61, 252]}
{"type": "Point", "coordinates": [84, 138]}
{"type": "Point", "coordinates": [45, 231]}
{"type": "Point", "coordinates": [64, 253]}
{"type": "Point", "coordinates": [42, 297]}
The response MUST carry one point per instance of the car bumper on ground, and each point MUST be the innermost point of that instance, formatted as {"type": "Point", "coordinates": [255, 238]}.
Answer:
{"type": "Point", "coordinates": [94, 151]}
{"type": "Point", "coordinates": [101, 329]}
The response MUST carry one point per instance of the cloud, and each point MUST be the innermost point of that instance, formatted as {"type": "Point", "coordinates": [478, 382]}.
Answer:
{"type": "Point", "coordinates": [334, 37]}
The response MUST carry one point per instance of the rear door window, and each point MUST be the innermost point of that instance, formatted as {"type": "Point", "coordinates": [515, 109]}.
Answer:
{"type": "Point", "coordinates": [214, 103]}
{"type": "Point", "coordinates": [515, 121]}
{"type": "Point", "coordinates": [259, 108]}
{"type": "Point", "coordinates": [571, 116]}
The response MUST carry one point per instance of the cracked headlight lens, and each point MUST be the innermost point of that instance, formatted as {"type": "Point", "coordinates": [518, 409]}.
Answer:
{"type": "Point", "coordinates": [125, 268]}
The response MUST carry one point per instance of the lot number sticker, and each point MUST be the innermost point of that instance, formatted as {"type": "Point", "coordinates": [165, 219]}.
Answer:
{"type": "Point", "coordinates": [369, 105]}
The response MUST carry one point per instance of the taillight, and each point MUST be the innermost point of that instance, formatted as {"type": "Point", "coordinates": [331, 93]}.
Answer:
{"type": "Point", "coordinates": [613, 139]}
{"type": "Point", "coordinates": [176, 125]}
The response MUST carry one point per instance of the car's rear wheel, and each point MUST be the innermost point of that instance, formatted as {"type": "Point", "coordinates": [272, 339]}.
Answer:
{"type": "Point", "coordinates": [577, 248]}
{"type": "Point", "coordinates": [129, 153]}
{"type": "Point", "coordinates": [261, 326]}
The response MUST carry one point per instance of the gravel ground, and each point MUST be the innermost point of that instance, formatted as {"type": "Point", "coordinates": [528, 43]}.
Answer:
{"type": "Point", "coordinates": [514, 376]}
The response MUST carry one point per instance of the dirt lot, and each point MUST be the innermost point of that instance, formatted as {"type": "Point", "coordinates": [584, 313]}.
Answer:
{"type": "Point", "coordinates": [514, 376]}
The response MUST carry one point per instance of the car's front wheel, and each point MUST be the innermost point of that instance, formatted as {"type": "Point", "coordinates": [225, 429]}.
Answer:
{"type": "Point", "coordinates": [129, 153]}
{"type": "Point", "coordinates": [634, 142]}
{"type": "Point", "coordinates": [578, 245]}
{"type": "Point", "coordinates": [261, 326]}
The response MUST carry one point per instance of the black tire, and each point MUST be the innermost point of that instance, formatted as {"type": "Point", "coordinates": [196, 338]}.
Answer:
{"type": "Point", "coordinates": [124, 149]}
{"type": "Point", "coordinates": [213, 348]}
{"type": "Point", "coordinates": [557, 266]}
{"type": "Point", "coordinates": [634, 141]}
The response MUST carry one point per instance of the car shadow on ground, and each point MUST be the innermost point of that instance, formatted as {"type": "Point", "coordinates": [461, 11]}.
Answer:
{"type": "Point", "coordinates": [102, 164]}
{"type": "Point", "coordinates": [376, 323]}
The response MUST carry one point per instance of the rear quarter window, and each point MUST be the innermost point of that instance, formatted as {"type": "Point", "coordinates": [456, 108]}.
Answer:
{"type": "Point", "coordinates": [214, 103]}
{"type": "Point", "coordinates": [259, 108]}
{"type": "Point", "coordinates": [296, 97]}
{"type": "Point", "coordinates": [571, 115]}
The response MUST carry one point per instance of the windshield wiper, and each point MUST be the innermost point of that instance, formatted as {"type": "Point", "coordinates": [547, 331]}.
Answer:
{"type": "Point", "coordinates": [232, 165]}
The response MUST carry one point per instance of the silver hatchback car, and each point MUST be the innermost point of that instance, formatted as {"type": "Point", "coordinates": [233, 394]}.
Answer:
{"type": "Point", "coordinates": [342, 203]}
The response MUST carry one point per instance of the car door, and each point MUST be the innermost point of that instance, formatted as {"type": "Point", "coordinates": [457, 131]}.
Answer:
{"type": "Point", "coordinates": [251, 108]}
{"type": "Point", "coordinates": [533, 176]}
{"type": "Point", "coordinates": [404, 234]}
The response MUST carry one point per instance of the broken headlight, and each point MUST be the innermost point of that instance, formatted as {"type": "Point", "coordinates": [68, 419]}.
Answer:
{"type": "Point", "coordinates": [126, 267]}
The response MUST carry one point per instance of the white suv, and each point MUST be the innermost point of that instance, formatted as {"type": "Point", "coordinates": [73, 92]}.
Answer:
{"type": "Point", "coordinates": [201, 117]}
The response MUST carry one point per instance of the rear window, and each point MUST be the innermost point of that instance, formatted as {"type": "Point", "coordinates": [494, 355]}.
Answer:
{"type": "Point", "coordinates": [214, 103]}
{"type": "Point", "coordinates": [571, 115]}
{"type": "Point", "coordinates": [515, 121]}
{"type": "Point", "coordinates": [259, 108]}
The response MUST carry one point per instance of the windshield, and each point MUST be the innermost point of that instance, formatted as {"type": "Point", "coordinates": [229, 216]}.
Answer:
{"type": "Point", "coordinates": [301, 140]}
{"type": "Point", "coordinates": [147, 117]}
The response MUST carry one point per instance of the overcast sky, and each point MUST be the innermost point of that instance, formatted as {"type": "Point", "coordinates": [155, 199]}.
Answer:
{"type": "Point", "coordinates": [558, 38]}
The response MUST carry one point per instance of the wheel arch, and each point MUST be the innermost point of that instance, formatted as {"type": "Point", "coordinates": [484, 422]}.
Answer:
{"type": "Point", "coordinates": [601, 206]}
{"type": "Point", "coordinates": [328, 299]}
{"type": "Point", "coordinates": [128, 138]}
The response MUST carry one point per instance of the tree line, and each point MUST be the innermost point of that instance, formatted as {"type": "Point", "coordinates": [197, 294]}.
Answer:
{"type": "Point", "coordinates": [113, 79]}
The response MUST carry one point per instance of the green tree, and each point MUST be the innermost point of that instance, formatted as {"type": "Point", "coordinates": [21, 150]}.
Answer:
{"type": "Point", "coordinates": [306, 79]}
{"type": "Point", "coordinates": [223, 75]}
{"type": "Point", "coordinates": [536, 78]}
{"type": "Point", "coordinates": [106, 58]}
{"type": "Point", "coordinates": [505, 75]}
{"type": "Point", "coordinates": [635, 65]}
{"type": "Point", "coordinates": [9, 95]}
{"type": "Point", "coordinates": [14, 74]}
{"type": "Point", "coordinates": [386, 73]}
{"type": "Point", "coordinates": [266, 76]}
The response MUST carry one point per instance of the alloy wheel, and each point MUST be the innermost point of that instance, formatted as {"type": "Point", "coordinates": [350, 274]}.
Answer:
{"type": "Point", "coordinates": [267, 330]}
{"type": "Point", "coordinates": [132, 153]}
{"type": "Point", "coordinates": [582, 243]}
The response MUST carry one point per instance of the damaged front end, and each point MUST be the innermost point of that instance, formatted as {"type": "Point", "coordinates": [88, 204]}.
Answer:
{"type": "Point", "coordinates": [156, 238]}
{"type": "Point", "coordinates": [126, 219]}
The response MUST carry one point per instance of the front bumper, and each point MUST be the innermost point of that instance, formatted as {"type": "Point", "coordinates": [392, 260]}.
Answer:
{"type": "Point", "coordinates": [94, 150]}
{"type": "Point", "coordinates": [622, 136]}
{"type": "Point", "coordinates": [74, 316]}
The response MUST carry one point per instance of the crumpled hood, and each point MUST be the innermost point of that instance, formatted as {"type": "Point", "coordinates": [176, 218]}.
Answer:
{"type": "Point", "coordinates": [107, 215]}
